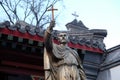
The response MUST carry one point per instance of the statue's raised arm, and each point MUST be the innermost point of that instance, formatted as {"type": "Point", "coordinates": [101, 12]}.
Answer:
{"type": "Point", "coordinates": [48, 37]}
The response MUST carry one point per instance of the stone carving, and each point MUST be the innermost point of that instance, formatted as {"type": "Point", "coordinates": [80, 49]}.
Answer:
{"type": "Point", "coordinates": [60, 61]}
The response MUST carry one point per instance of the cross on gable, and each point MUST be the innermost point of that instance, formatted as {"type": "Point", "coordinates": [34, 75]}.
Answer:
{"type": "Point", "coordinates": [52, 9]}
{"type": "Point", "coordinates": [75, 15]}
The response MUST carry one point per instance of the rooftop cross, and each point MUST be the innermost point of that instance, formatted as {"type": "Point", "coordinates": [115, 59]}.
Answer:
{"type": "Point", "coordinates": [75, 15]}
{"type": "Point", "coordinates": [52, 9]}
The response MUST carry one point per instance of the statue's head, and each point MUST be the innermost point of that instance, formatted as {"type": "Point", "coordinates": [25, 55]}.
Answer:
{"type": "Point", "coordinates": [63, 38]}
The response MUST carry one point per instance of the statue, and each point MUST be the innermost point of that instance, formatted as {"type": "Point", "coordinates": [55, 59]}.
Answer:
{"type": "Point", "coordinates": [60, 61]}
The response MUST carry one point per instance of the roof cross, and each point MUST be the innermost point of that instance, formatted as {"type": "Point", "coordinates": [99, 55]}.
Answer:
{"type": "Point", "coordinates": [52, 9]}
{"type": "Point", "coordinates": [75, 15]}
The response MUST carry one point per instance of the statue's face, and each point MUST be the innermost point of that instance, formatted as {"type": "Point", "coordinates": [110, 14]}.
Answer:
{"type": "Point", "coordinates": [63, 38]}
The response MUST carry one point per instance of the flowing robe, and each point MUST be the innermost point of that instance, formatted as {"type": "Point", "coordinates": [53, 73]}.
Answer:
{"type": "Point", "coordinates": [61, 63]}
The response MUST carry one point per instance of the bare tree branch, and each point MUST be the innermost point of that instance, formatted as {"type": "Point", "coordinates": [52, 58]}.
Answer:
{"type": "Point", "coordinates": [27, 11]}
{"type": "Point", "coordinates": [37, 10]}
{"type": "Point", "coordinates": [7, 13]}
{"type": "Point", "coordinates": [34, 11]}
{"type": "Point", "coordinates": [12, 6]}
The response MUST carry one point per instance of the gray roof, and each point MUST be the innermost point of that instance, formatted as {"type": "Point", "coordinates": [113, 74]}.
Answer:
{"type": "Point", "coordinates": [91, 38]}
{"type": "Point", "coordinates": [77, 24]}
{"type": "Point", "coordinates": [113, 48]}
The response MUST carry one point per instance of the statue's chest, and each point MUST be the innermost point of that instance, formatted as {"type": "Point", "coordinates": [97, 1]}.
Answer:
{"type": "Point", "coordinates": [69, 58]}
{"type": "Point", "coordinates": [68, 54]}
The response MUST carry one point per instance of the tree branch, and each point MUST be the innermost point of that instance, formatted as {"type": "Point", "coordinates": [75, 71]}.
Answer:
{"type": "Point", "coordinates": [7, 13]}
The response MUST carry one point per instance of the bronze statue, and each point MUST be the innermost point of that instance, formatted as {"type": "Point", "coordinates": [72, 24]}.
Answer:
{"type": "Point", "coordinates": [60, 61]}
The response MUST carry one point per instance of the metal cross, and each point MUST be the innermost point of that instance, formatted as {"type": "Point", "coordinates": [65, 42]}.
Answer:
{"type": "Point", "coordinates": [75, 15]}
{"type": "Point", "coordinates": [52, 9]}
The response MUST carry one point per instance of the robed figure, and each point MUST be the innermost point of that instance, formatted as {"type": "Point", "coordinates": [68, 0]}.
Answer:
{"type": "Point", "coordinates": [60, 61]}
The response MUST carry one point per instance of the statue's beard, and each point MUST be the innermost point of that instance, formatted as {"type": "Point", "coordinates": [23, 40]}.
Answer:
{"type": "Point", "coordinates": [63, 42]}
